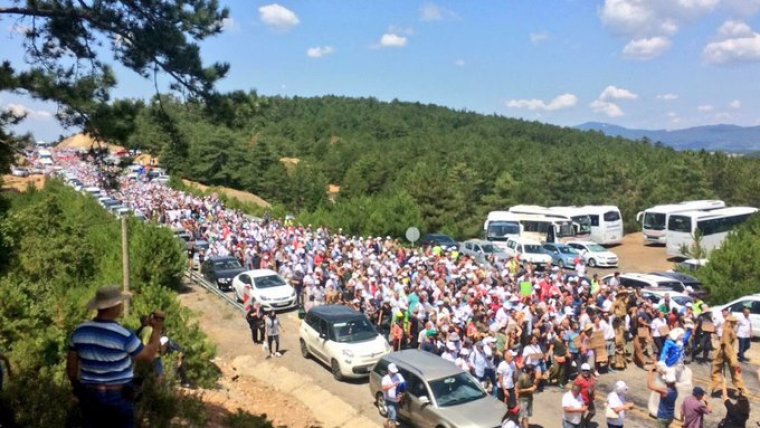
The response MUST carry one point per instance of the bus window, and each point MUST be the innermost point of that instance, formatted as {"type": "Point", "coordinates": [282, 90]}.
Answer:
{"type": "Point", "coordinates": [594, 219]}
{"type": "Point", "coordinates": [611, 216]}
{"type": "Point", "coordinates": [679, 223]}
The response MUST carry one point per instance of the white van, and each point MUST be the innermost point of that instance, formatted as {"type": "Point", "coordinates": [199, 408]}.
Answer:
{"type": "Point", "coordinates": [528, 250]}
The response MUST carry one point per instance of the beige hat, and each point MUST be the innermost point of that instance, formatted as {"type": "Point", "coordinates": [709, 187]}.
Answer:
{"type": "Point", "coordinates": [730, 318]}
{"type": "Point", "coordinates": [107, 297]}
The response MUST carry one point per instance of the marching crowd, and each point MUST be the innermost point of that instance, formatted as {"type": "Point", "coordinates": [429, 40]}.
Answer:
{"type": "Point", "coordinates": [518, 330]}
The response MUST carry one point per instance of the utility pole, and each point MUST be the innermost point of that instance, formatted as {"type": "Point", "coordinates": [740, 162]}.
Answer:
{"type": "Point", "coordinates": [125, 261]}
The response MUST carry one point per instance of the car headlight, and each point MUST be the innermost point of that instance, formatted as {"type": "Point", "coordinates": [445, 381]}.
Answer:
{"type": "Point", "coordinates": [225, 280]}
{"type": "Point", "coordinates": [347, 353]}
{"type": "Point", "coordinates": [264, 298]}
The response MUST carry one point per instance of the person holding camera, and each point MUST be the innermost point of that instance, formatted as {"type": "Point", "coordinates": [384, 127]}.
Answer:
{"type": "Point", "coordinates": [101, 358]}
{"type": "Point", "coordinates": [144, 333]}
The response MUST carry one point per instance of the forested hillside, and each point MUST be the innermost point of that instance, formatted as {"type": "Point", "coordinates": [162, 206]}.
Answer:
{"type": "Point", "coordinates": [401, 164]}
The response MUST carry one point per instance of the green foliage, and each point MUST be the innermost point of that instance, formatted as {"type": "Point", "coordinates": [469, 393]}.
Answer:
{"type": "Point", "coordinates": [242, 419]}
{"type": "Point", "coordinates": [733, 269]}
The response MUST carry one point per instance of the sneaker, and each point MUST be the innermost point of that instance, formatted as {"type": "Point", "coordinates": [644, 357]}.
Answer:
{"type": "Point", "coordinates": [277, 354]}
{"type": "Point", "coordinates": [269, 356]}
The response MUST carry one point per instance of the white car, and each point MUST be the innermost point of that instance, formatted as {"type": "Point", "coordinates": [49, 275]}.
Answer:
{"type": "Point", "coordinates": [342, 338]}
{"type": "Point", "coordinates": [594, 254]}
{"type": "Point", "coordinates": [678, 301]}
{"type": "Point", "coordinates": [266, 287]}
{"type": "Point", "coordinates": [736, 306]}
{"type": "Point", "coordinates": [528, 250]}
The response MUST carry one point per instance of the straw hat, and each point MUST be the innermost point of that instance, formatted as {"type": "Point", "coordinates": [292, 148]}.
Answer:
{"type": "Point", "coordinates": [107, 297]}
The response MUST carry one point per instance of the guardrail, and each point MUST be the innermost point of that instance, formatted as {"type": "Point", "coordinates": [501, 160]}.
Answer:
{"type": "Point", "coordinates": [196, 278]}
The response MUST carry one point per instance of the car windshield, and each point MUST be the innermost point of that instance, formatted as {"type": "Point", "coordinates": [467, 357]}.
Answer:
{"type": "Point", "coordinates": [268, 281]}
{"type": "Point", "coordinates": [457, 389]}
{"type": "Point", "coordinates": [682, 300]}
{"type": "Point", "coordinates": [353, 330]}
{"type": "Point", "coordinates": [596, 248]}
{"type": "Point", "coordinates": [490, 249]}
{"type": "Point", "coordinates": [227, 264]}
{"type": "Point", "coordinates": [567, 250]}
{"type": "Point", "coordinates": [533, 249]}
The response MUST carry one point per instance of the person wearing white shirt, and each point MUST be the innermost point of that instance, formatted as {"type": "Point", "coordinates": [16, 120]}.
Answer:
{"type": "Point", "coordinates": [573, 408]}
{"type": "Point", "coordinates": [656, 325]}
{"type": "Point", "coordinates": [506, 373]}
{"type": "Point", "coordinates": [616, 403]}
{"type": "Point", "coordinates": [743, 333]}
{"type": "Point", "coordinates": [393, 385]}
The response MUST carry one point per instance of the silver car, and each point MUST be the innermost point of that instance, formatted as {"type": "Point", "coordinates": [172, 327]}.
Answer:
{"type": "Point", "coordinates": [480, 250]}
{"type": "Point", "coordinates": [438, 393]}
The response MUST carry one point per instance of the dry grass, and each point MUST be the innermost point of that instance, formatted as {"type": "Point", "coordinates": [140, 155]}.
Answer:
{"type": "Point", "coordinates": [20, 184]}
{"type": "Point", "coordinates": [85, 142]}
{"type": "Point", "coordinates": [231, 193]}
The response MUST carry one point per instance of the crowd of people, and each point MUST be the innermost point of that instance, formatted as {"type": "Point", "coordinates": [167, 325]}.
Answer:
{"type": "Point", "coordinates": [517, 329]}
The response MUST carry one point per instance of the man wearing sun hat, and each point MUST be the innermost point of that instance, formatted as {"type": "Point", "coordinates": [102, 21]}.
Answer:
{"type": "Point", "coordinates": [101, 359]}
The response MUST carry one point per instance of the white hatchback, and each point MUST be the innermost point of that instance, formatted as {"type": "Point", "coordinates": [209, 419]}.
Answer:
{"type": "Point", "coordinates": [266, 287]}
{"type": "Point", "coordinates": [594, 254]}
{"type": "Point", "coordinates": [342, 338]}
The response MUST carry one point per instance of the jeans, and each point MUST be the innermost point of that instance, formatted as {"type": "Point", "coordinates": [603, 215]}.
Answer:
{"type": "Point", "coordinates": [106, 409]}
{"type": "Point", "coordinates": [392, 407]}
{"type": "Point", "coordinates": [566, 424]}
{"type": "Point", "coordinates": [743, 347]}
{"type": "Point", "coordinates": [275, 339]}
{"type": "Point", "coordinates": [490, 374]}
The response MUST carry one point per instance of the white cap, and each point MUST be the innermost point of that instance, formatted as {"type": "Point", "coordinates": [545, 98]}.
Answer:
{"type": "Point", "coordinates": [392, 368]}
{"type": "Point", "coordinates": [585, 367]}
{"type": "Point", "coordinates": [164, 340]}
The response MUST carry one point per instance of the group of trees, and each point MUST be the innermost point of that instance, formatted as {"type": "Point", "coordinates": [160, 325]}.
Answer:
{"type": "Point", "coordinates": [444, 168]}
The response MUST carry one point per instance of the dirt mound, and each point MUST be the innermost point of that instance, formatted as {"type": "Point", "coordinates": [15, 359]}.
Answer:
{"type": "Point", "coordinates": [232, 193]}
{"type": "Point", "coordinates": [146, 160]}
{"type": "Point", "coordinates": [20, 184]}
{"type": "Point", "coordinates": [86, 142]}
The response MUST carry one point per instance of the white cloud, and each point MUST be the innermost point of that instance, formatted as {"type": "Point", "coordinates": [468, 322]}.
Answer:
{"type": "Point", "coordinates": [735, 104]}
{"type": "Point", "coordinates": [459, 63]}
{"type": "Point", "coordinates": [646, 49]}
{"type": "Point", "coordinates": [742, 7]}
{"type": "Point", "coordinates": [705, 108]}
{"type": "Point", "coordinates": [672, 114]}
{"type": "Point", "coordinates": [615, 93]}
{"type": "Point", "coordinates": [606, 107]}
{"type": "Point", "coordinates": [278, 17]}
{"type": "Point", "coordinates": [430, 12]}
{"type": "Point", "coordinates": [320, 51]}
{"type": "Point", "coordinates": [560, 102]}
{"type": "Point", "coordinates": [394, 29]}
{"type": "Point", "coordinates": [626, 16]}
{"type": "Point", "coordinates": [390, 40]}
{"type": "Point", "coordinates": [19, 29]}
{"type": "Point", "coordinates": [22, 110]}
{"type": "Point", "coordinates": [667, 97]}
{"type": "Point", "coordinates": [229, 24]}
{"type": "Point", "coordinates": [539, 37]}
{"type": "Point", "coordinates": [737, 43]}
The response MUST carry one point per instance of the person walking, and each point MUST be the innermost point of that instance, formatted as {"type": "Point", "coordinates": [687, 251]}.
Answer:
{"type": "Point", "coordinates": [393, 385]}
{"type": "Point", "coordinates": [617, 406]}
{"type": "Point", "coordinates": [573, 408]}
{"type": "Point", "coordinates": [694, 408]}
{"type": "Point", "coordinates": [100, 362]}
{"type": "Point", "coordinates": [725, 355]}
{"type": "Point", "coordinates": [737, 413]}
{"type": "Point", "coordinates": [506, 375]}
{"type": "Point", "coordinates": [666, 410]}
{"type": "Point", "coordinates": [744, 333]}
{"type": "Point", "coordinates": [587, 383]}
{"type": "Point", "coordinates": [526, 386]}
{"type": "Point", "coordinates": [255, 318]}
{"type": "Point", "coordinates": [273, 328]}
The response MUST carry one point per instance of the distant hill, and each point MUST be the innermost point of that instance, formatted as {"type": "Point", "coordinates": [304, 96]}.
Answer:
{"type": "Point", "coordinates": [724, 138]}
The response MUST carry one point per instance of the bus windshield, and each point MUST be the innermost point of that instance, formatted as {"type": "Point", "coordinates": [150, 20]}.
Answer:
{"type": "Point", "coordinates": [679, 223]}
{"type": "Point", "coordinates": [501, 230]}
{"type": "Point", "coordinates": [654, 221]}
{"type": "Point", "coordinates": [566, 229]}
{"type": "Point", "coordinates": [584, 224]}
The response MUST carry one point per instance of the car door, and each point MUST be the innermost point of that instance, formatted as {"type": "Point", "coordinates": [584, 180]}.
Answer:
{"type": "Point", "coordinates": [322, 339]}
{"type": "Point", "coordinates": [754, 318]}
{"type": "Point", "coordinates": [414, 408]}
{"type": "Point", "coordinates": [243, 288]}
{"type": "Point", "coordinates": [312, 338]}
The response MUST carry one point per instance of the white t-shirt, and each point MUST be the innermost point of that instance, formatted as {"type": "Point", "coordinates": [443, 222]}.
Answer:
{"type": "Point", "coordinates": [656, 324]}
{"type": "Point", "coordinates": [388, 380]}
{"type": "Point", "coordinates": [506, 372]}
{"type": "Point", "coordinates": [743, 327]}
{"type": "Point", "coordinates": [613, 402]}
{"type": "Point", "coordinates": [509, 424]}
{"type": "Point", "coordinates": [569, 401]}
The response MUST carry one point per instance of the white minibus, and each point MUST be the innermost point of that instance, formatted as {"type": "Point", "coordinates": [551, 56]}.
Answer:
{"type": "Point", "coordinates": [655, 219]}
{"type": "Point", "coordinates": [581, 221]}
{"type": "Point", "coordinates": [713, 225]}
{"type": "Point", "coordinates": [606, 222]}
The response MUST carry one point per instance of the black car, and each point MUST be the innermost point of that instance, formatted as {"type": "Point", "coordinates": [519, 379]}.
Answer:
{"type": "Point", "coordinates": [220, 271]}
{"type": "Point", "coordinates": [688, 281]}
{"type": "Point", "coordinates": [433, 239]}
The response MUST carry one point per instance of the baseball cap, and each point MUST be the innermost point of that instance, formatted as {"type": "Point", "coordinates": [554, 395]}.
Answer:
{"type": "Point", "coordinates": [392, 368]}
{"type": "Point", "coordinates": [585, 367]}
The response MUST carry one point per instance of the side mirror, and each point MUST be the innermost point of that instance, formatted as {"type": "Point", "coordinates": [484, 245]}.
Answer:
{"type": "Point", "coordinates": [323, 335]}
{"type": "Point", "coordinates": [424, 400]}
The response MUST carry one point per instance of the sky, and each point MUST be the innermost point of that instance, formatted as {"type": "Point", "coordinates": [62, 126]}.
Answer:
{"type": "Point", "coordinates": [648, 64]}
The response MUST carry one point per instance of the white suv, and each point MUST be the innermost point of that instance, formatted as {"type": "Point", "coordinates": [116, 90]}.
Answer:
{"type": "Point", "coordinates": [530, 251]}
{"type": "Point", "coordinates": [343, 339]}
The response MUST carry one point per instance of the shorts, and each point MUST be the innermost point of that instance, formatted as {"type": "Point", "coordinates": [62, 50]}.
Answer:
{"type": "Point", "coordinates": [664, 423]}
{"type": "Point", "coordinates": [392, 407]}
{"type": "Point", "coordinates": [526, 408]}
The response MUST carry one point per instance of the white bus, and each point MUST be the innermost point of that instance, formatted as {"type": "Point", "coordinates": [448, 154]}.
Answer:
{"type": "Point", "coordinates": [714, 226]}
{"type": "Point", "coordinates": [581, 222]}
{"type": "Point", "coordinates": [655, 219]}
{"type": "Point", "coordinates": [501, 225]}
{"type": "Point", "coordinates": [606, 222]}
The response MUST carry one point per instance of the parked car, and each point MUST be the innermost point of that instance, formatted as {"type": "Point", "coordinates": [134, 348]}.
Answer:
{"type": "Point", "coordinates": [480, 250]}
{"type": "Point", "coordinates": [678, 300]}
{"type": "Point", "coordinates": [220, 270]}
{"type": "Point", "coordinates": [594, 254]}
{"type": "Point", "coordinates": [19, 172]}
{"type": "Point", "coordinates": [643, 280]}
{"type": "Point", "coordinates": [690, 284]}
{"type": "Point", "coordinates": [342, 338]}
{"type": "Point", "coordinates": [433, 239]}
{"type": "Point", "coordinates": [562, 255]}
{"type": "Point", "coordinates": [266, 287]}
{"type": "Point", "coordinates": [529, 251]}
{"type": "Point", "coordinates": [438, 393]}
{"type": "Point", "coordinates": [735, 307]}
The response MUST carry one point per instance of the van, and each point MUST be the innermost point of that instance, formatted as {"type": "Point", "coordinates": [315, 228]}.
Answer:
{"type": "Point", "coordinates": [438, 393]}
{"type": "Point", "coordinates": [528, 250]}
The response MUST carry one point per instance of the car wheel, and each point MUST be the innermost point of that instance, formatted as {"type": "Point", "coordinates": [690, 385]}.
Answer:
{"type": "Point", "coordinates": [335, 369]}
{"type": "Point", "coordinates": [591, 263]}
{"type": "Point", "coordinates": [304, 349]}
{"type": "Point", "coordinates": [380, 404]}
{"type": "Point", "coordinates": [561, 263]}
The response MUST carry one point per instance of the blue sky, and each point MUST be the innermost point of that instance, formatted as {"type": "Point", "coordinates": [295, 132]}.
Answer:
{"type": "Point", "coordinates": [638, 63]}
